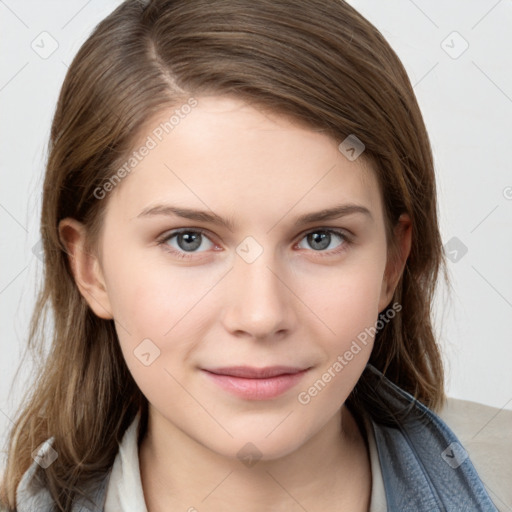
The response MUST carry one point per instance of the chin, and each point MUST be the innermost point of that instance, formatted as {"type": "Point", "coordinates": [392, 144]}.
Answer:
{"type": "Point", "coordinates": [251, 445]}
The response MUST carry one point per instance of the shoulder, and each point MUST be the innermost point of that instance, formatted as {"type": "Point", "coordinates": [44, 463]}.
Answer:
{"type": "Point", "coordinates": [486, 434]}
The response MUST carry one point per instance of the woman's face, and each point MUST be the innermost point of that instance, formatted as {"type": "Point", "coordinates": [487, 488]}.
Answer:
{"type": "Point", "coordinates": [248, 283]}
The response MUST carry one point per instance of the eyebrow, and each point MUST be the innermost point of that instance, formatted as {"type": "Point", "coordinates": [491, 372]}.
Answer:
{"type": "Point", "coordinates": [335, 212]}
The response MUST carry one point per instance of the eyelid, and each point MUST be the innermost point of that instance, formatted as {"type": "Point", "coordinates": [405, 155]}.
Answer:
{"type": "Point", "coordinates": [332, 229]}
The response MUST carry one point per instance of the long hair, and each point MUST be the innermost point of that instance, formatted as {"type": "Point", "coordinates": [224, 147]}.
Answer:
{"type": "Point", "coordinates": [320, 63]}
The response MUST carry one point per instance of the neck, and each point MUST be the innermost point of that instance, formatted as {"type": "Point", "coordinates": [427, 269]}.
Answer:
{"type": "Point", "coordinates": [330, 471]}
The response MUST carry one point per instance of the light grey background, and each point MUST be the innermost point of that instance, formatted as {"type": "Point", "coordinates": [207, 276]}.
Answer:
{"type": "Point", "coordinates": [466, 99]}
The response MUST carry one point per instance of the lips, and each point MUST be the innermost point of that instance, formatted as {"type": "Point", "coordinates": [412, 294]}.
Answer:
{"type": "Point", "coordinates": [256, 383]}
{"type": "Point", "coordinates": [248, 372]}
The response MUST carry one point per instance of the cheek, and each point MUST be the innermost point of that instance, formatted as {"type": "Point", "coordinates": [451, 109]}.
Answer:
{"type": "Point", "coordinates": [154, 311]}
{"type": "Point", "coordinates": [349, 308]}
{"type": "Point", "coordinates": [346, 300]}
{"type": "Point", "coordinates": [158, 310]}
{"type": "Point", "coordinates": [149, 297]}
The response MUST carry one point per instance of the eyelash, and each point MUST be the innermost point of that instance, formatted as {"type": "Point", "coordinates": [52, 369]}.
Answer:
{"type": "Point", "coordinates": [183, 255]}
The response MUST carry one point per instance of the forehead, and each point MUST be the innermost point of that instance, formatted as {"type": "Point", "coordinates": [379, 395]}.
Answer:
{"type": "Point", "coordinates": [228, 156]}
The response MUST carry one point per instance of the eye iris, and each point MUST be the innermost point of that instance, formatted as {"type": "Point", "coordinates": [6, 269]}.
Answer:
{"type": "Point", "coordinates": [321, 237]}
{"type": "Point", "coordinates": [189, 237]}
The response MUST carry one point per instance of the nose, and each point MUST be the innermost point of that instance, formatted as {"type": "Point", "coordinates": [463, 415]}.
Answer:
{"type": "Point", "coordinates": [260, 303]}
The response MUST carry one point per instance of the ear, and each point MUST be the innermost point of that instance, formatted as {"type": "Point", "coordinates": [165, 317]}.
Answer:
{"type": "Point", "coordinates": [396, 263]}
{"type": "Point", "coordinates": [85, 267]}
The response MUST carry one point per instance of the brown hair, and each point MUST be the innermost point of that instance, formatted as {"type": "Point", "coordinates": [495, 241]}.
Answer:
{"type": "Point", "coordinates": [318, 62]}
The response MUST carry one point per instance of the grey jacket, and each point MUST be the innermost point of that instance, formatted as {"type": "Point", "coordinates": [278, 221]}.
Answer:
{"type": "Point", "coordinates": [425, 468]}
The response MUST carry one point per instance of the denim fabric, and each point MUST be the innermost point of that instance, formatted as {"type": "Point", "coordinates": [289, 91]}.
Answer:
{"type": "Point", "coordinates": [424, 466]}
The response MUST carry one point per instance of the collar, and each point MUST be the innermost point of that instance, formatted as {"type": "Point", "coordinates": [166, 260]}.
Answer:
{"type": "Point", "coordinates": [424, 466]}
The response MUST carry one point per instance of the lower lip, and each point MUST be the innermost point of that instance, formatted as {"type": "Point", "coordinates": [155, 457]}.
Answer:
{"type": "Point", "coordinates": [257, 389]}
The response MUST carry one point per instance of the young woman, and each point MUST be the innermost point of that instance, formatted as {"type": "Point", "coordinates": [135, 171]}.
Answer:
{"type": "Point", "coordinates": [241, 250]}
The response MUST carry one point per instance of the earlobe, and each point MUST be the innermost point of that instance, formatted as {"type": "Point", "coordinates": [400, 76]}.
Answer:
{"type": "Point", "coordinates": [85, 267]}
{"type": "Point", "coordinates": [396, 265]}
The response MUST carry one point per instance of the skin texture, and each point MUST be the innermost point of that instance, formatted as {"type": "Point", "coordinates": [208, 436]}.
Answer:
{"type": "Point", "coordinates": [295, 304]}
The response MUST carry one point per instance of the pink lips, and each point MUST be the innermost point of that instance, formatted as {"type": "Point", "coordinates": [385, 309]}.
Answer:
{"type": "Point", "coordinates": [256, 383]}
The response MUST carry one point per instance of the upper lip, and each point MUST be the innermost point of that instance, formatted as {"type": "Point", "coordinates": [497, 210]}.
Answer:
{"type": "Point", "coordinates": [255, 373]}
